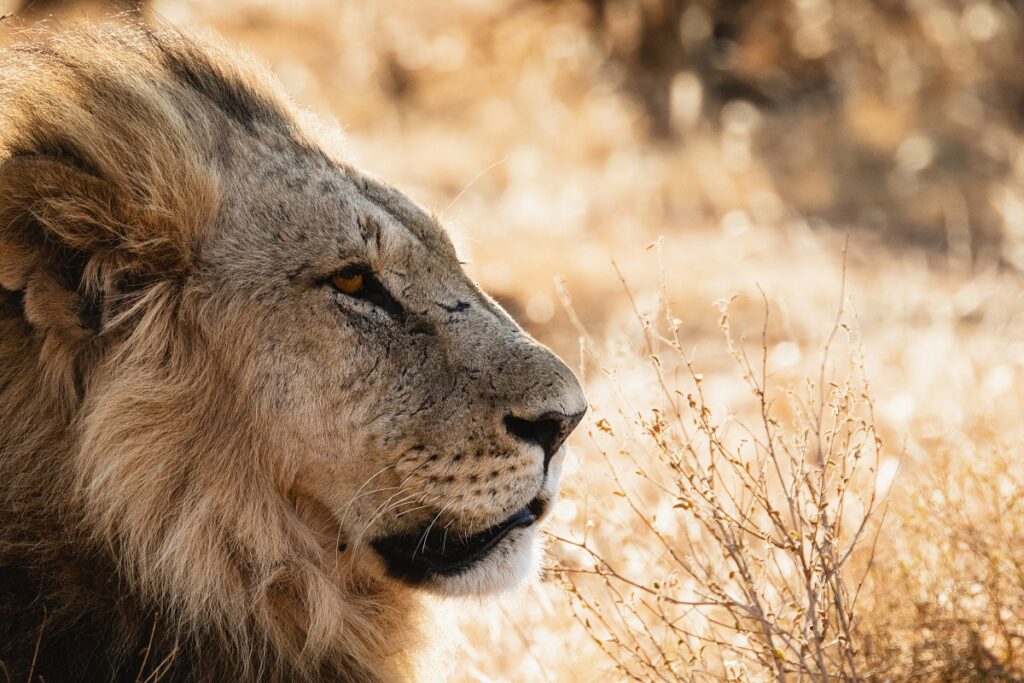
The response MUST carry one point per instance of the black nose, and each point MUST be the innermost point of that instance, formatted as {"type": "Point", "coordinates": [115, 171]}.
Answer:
{"type": "Point", "coordinates": [549, 431]}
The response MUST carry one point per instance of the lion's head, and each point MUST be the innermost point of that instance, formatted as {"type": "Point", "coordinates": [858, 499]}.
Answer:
{"type": "Point", "coordinates": [275, 395]}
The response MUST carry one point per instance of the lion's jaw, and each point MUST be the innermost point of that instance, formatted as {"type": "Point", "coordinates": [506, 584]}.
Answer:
{"type": "Point", "coordinates": [491, 560]}
{"type": "Point", "coordinates": [518, 557]}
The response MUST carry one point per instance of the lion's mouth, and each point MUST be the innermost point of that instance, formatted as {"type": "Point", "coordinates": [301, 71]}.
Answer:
{"type": "Point", "coordinates": [415, 557]}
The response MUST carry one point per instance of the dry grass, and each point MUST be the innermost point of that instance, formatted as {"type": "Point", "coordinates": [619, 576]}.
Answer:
{"type": "Point", "coordinates": [742, 474]}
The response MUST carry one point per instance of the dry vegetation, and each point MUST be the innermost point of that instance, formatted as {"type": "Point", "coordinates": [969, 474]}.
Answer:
{"type": "Point", "coordinates": [742, 505]}
{"type": "Point", "coordinates": [747, 571]}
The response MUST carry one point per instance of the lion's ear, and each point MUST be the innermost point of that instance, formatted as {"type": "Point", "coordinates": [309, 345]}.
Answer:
{"type": "Point", "coordinates": [55, 221]}
{"type": "Point", "coordinates": [58, 236]}
{"type": "Point", "coordinates": [75, 237]}
{"type": "Point", "coordinates": [58, 207]}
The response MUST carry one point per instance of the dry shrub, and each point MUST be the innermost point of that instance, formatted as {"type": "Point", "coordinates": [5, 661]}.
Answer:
{"type": "Point", "coordinates": [949, 597]}
{"type": "Point", "coordinates": [751, 538]}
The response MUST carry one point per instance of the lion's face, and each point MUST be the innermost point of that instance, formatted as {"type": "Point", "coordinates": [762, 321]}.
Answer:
{"type": "Point", "coordinates": [420, 428]}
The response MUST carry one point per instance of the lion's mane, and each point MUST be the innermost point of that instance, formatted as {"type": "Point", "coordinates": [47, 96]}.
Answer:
{"type": "Point", "coordinates": [123, 554]}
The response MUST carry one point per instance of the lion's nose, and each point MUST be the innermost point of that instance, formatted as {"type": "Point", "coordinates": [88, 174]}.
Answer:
{"type": "Point", "coordinates": [549, 431]}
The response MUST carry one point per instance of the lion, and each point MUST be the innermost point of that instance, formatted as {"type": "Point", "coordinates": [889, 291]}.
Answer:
{"type": "Point", "coordinates": [253, 409]}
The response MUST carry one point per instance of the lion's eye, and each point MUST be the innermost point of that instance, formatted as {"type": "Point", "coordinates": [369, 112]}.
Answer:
{"type": "Point", "coordinates": [349, 283]}
{"type": "Point", "coordinates": [359, 282]}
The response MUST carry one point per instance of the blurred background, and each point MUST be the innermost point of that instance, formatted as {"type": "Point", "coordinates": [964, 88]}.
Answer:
{"type": "Point", "coordinates": [707, 150]}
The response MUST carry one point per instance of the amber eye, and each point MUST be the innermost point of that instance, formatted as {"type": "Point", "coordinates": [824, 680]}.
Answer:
{"type": "Point", "coordinates": [359, 282]}
{"type": "Point", "coordinates": [349, 284]}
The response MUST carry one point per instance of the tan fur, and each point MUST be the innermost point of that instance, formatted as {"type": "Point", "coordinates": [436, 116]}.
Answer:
{"type": "Point", "coordinates": [201, 438]}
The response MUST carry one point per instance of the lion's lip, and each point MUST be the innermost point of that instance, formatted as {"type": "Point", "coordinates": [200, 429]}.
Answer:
{"type": "Point", "coordinates": [416, 557]}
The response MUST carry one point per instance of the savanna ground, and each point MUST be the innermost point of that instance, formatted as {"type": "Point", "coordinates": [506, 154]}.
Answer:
{"type": "Point", "coordinates": [837, 491]}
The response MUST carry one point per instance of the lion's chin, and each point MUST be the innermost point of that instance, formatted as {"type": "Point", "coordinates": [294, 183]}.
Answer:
{"type": "Point", "coordinates": [489, 561]}
{"type": "Point", "coordinates": [510, 563]}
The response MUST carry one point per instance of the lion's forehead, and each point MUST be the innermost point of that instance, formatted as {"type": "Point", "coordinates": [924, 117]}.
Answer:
{"type": "Point", "coordinates": [289, 208]}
